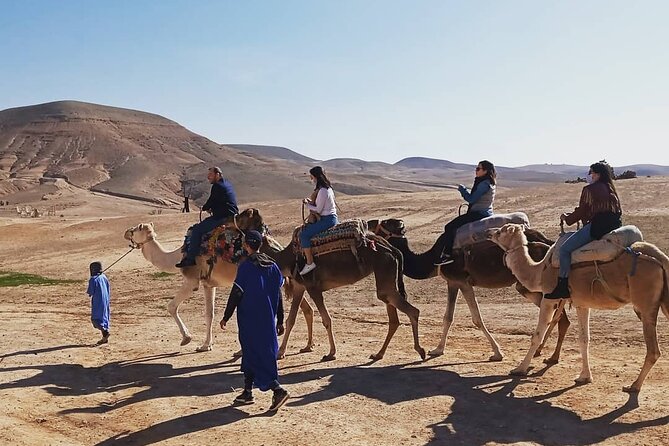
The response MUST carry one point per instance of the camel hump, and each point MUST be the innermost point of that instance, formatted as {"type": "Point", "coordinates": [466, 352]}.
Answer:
{"type": "Point", "coordinates": [342, 236]}
{"type": "Point", "coordinates": [604, 250]}
{"type": "Point", "coordinates": [475, 232]}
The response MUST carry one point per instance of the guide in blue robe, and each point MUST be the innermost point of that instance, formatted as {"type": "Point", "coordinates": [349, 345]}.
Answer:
{"type": "Point", "coordinates": [256, 294]}
{"type": "Point", "coordinates": [99, 290]}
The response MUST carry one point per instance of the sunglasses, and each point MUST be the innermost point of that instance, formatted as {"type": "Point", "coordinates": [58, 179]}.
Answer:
{"type": "Point", "coordinates": [479, 168]}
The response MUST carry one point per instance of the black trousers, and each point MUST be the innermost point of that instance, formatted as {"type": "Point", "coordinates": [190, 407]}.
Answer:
{"type": "Point", "coordinates": [448, 237]}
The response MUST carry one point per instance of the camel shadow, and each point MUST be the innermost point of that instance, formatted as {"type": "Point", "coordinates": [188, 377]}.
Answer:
{"type": "Point", "coordinates": [484, 410]}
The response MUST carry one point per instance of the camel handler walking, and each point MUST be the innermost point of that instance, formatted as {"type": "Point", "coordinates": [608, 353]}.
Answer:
{"type": "Point", "coordinates": [100, 293]}
{"type": "Point", "coordinates": [256, 294]}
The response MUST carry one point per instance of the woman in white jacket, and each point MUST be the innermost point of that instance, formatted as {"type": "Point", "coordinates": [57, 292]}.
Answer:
{"type": "Point", "coordinates": [324, 205]}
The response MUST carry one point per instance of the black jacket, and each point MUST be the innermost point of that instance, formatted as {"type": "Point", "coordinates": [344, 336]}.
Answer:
{"type": "Point", "coordinates": [222, 201]}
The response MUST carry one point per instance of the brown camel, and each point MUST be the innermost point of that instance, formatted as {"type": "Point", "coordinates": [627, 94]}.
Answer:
{"type": "Point", "coordinates": [341, 268]}
{"type": "Point", "coordinates": [480, 264]}
{"type": "Point", "coordinates": [143, 236]}
{"type": "Point", "coordinates": [640, 279]}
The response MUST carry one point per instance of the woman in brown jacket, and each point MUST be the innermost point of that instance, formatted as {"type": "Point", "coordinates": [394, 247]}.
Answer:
{"type": "Point", "coordinates": [599, 210]}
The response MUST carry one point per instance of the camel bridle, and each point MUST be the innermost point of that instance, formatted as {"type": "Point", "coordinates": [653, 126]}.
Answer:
{"type": "Point", "coordinates": [386, 234]}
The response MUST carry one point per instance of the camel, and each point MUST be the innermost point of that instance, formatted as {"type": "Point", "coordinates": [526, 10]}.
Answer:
{"type": "Point", "coordinates": [144, 237]}
{"type": "Point", "coordinates": [482, 266]}
{"type": "Point", "coordinates": [341, 268]}
{"type": "Point", "coordinates": [640, 279]}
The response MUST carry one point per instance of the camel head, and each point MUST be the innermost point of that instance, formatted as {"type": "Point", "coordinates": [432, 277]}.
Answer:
{"type": "Point", "coordinates": [250, 219]}
{"type": "Point", "coordinates": [507, 237]}
{"type": "Point", "coordinates": [140, 234]}
{"type": "Point", "coordinates": [392, 227]}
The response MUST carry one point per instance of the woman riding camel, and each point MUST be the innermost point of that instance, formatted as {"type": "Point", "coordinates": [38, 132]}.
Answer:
{"type": "Point", "coordinates": [480, 200]}
{"type": "Point", "coordinates": [324, 206]}
{"type": "Point", "coordinates": [599, 210]}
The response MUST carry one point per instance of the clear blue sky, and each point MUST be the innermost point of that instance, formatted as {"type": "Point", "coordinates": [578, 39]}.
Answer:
{"type": "Point", "coordinates": [516, 82]}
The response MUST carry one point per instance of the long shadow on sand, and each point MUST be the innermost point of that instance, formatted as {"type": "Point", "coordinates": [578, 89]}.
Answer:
{"type": "Point", "coordinates": [484, 409]}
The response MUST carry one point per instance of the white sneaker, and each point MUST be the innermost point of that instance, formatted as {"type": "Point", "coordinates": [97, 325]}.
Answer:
{"type": "Point", "coordinates": [309, 267]}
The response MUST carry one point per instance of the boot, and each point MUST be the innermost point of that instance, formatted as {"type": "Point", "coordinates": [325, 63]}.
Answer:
{"type": "Point", "coordinates": [561, 291]}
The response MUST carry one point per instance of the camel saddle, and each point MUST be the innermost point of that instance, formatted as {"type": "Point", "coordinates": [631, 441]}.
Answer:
{"type": "Point", "coordinates": [222, 242]}
{"type": "Point", "coordinates": [604, 250]}
{"type": "Point", "coordinates": [347, 235]}
{"type": "Point", "coordinates": [475, 231]}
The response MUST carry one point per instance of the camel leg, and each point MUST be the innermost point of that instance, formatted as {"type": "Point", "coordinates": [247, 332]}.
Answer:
{"type": "Point", "coordinates": [470, 298]}
{"type": "Point", "coordinates": [290, 323]}
{"type": "Point", "coordinates": [399, 302]}
{"type": "Point", "coordinates": [584, 343]}
{"type": "Point", "coordinates": [563, 326]}
{"type": "Point", "coordinates": [317, 296]}
{"type": "Point", "coordinates": [546, 311]}
{"type": "Point", "coordinates": [448, 320]}
{"type": "Point", "coordinates": [393, 324]}
{"type": "Point", "coordinates": [209, 301]}
{"type": "Point", "coordinates": [649, 323]}
{"type": "Point", "coordinates": [308, 313]}
{"type": "Point", "coordinates": [183, 293]}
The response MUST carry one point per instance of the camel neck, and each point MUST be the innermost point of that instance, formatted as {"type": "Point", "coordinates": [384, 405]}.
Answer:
{"type": "Point", "coordinates": [161, 259]}
{"type": "Point", "coordinates": [416, 266]}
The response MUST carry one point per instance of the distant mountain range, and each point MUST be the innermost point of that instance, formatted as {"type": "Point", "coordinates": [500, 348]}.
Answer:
{"type": "Point", "coordinates": [146, 156]}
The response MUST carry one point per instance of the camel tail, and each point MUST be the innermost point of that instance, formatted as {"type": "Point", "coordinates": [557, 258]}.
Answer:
{"type": "Point", "coordinates": [653, 251]}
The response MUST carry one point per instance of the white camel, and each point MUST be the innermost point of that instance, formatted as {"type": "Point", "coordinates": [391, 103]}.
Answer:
{"type": "Point", "coordinates": [606, 285]}
{"type": "Point", "coordinates": [223, 274]}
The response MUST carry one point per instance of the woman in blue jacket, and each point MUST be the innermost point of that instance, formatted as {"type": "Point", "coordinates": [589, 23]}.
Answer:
{"type": "Point", "coordinates": [480, 200]}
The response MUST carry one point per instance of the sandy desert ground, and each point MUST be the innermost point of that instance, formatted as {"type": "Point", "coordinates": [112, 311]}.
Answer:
{"type": "Point", "coordinates": [143, 388]}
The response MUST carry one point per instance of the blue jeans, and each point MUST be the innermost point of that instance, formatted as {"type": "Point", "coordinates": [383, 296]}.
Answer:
{"type": "Point", "coordinates": [579, 238]}
{"type": "Point", "coordinates": [311, 229]}
{"type": "Point", "coordinates": [200, 229]}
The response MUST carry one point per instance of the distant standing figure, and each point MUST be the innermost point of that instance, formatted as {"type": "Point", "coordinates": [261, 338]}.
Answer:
{"type": "Point", "coordinates": [100, 293]}
{"type": "Point", "coordinates": [256, 294]}
{"type": "Point", "coordinates": [480, 200]}
{"type": "Point", "coordinates": [222, 204]}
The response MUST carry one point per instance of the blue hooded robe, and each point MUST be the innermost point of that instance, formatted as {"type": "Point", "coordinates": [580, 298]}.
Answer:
{"type": "Point", "coordinates": [99, 290]}
{"type": "Point", "coordinates": [260, 284]}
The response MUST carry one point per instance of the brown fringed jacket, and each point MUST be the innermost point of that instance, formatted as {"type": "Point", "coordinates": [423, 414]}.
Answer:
{"type": "Point", "coordinates": [595, 198]}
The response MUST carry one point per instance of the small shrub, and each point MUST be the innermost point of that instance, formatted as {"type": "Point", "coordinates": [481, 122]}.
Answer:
{"type": "Point", "coordinates": [9, 278]}
{"type": "Point", "coordinates": [161, 275]}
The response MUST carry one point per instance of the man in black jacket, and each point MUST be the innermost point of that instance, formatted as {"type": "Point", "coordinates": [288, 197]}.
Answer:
{"type": "Point", "coordinates": [222, 204]}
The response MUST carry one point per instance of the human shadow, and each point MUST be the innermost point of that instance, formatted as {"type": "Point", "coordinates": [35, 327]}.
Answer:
{"type": "Point", "coordinates": [37, 351]}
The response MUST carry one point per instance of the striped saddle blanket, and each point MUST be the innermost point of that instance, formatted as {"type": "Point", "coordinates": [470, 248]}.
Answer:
{"type": "Point", "coordinates": [347, 235]}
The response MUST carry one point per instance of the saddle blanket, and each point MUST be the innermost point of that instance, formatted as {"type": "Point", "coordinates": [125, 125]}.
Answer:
{"type": "Point", "coordinates": [346, 235]}
{"type": "Point", "coordinates": [475, 231]}
{"type": "Point", "coordinates": [222, 242]}
{"type": "Point", "coordinates": [604, 250]}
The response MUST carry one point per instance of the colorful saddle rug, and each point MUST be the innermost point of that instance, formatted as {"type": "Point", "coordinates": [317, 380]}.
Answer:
{"type": "Point", "coordinates": [604, 250]}
{"type": "Point", "coordinates": [221, 243]}
{"type": "Point", "coordinates": [347, 235]}
{"type": "Point", "coordinates": [475, 231]}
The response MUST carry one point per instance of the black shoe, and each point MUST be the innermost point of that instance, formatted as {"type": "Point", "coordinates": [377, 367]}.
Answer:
{"type": "Point", "coordinates": [561, 291]}
{"type": "Point", "coordinates": [278, 399]}
{"type": "Point", "coordinates": [444, 260]}
{"type": "Point", "coordinates": [246, 397]}
{"type": "Point", "coordinates": [185, 262]}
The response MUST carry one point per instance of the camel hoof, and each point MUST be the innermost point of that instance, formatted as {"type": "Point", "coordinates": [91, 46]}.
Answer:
{"type": "Point", "coordinates": [327, 358]}
{"type": "Point", "coordinates": [421, 352]}
{"type": "Point", "coordinates": [375, 357]}
{"type": "Point", "coordinates": [280, 356]}
{"type": "Point", "coordinates": [186, 340]}
{"type": "Point", "coordinates": [551, 361]}
{"type": "Point", "coordinates": [436, 352]}
{"type": "Point", "coordinates": [497, 357]}
{"type": "Point", "coordinates": [307, 349]}
{"type": "Point", "coordinates": [581, 381]}
{"type": "Point", "coordinates": [203, 348]}
{"type": "Point", "coordinates": [537, 354]}
{"type": "Point", "coordinates": [237, 354]}
{"type": "Point", "coordinates": [518, 372]}
{"type": "Point", "coordinates": [630, 389]}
